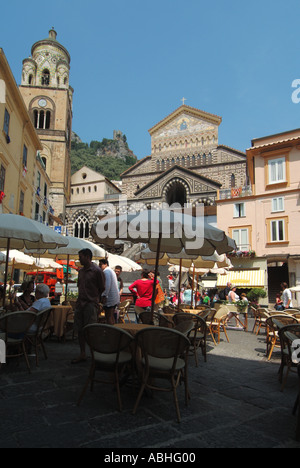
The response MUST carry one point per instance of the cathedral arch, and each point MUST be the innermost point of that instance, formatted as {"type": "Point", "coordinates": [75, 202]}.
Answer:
{"type": "Point", "coordinates": [176, 191]}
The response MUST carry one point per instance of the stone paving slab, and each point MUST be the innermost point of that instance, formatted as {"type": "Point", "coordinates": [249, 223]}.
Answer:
{"type": "Point", "coordinates": [236, 402]}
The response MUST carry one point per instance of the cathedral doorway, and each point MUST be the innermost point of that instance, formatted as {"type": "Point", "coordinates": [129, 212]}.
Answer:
{"type": "Point", "coordinates": [176, 192]}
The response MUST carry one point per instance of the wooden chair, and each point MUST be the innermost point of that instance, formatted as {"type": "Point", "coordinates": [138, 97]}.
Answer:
{"type": "Point", "coordinates": [164, 356]}
{"type": "Point", "coordinates": [13, 329]}
{"type": "Point", "coordinates": [273, 325]}
{"type": "Point", "coordinates": [124, 311]}
{"type": "Point", "coordinates": [35, 338]}
{"type": "Point", "coordinates": [109, 347]}
{"type": "Point", "coordinates": [218, 324]}
{"type": "Point", "coordinates": [287, 335]}
{"type": "Point", "coordinates": [261, 315]}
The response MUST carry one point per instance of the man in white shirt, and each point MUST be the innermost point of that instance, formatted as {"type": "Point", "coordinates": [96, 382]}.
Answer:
{"type": "Point", "coordinates": [111, 295]}
{"type": "Point", "coordinates": [286, 296]}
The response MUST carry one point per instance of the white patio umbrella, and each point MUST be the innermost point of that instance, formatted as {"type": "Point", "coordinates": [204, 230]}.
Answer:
{"type": "Point", "coordinates": [48, 263]}
{"type": "Point", "coordinates": [187, 261]}
{"type": "Point", "coordinates": [126, 264]}
{"type": "Point", "coordinates": [18, 232]}
{"type": "Point", "coordinates": [18, 260]}
{"type": "Point", "coordinates": [70, 251]}
{"type": "Point", "coordinates": [164, 231]}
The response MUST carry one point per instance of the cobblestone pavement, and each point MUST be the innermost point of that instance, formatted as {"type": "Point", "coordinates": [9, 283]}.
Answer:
{"type": "Point", "coordinates": [236, 402]}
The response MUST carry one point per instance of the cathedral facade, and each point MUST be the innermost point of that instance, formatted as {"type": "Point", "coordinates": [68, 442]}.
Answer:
{"type": "Point", "coordinates": [187, 163]}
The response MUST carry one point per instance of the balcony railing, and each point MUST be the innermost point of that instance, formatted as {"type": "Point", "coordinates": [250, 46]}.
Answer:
{"type": "Point", "coordinates": [237, 192]}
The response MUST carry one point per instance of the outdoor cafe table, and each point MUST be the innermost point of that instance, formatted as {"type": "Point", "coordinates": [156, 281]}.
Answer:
{"type": "Point", "coordinates": [132, 328]}
{"type": "Point", "coordinates": [58, 319]}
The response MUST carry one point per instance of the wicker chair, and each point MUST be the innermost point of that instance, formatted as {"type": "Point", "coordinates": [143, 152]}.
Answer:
{"type": "Point", "coordinates": [13, 329]}
{"type": "Point", "coordinates": [164, 356]}
{"type": "Point", "coordinates": [124, 311]}
{"type": "Point", "coordinates": [205, 313]}
{"type": "Point", "coordinates": [197, 335]}
{"type": "Point", "coordinates": [260, 318]}
{"type": "Point", "coordinates": [145, 317]}
{"type": "Point", "coordinates": [35, 338]}
{"type": "Point", "coordinates": [287, 335]}
{"type": "Point", "coordinates": [273, 325]}
{"type": "Point", "coordinates": [217, 323]}
{"type": "Point", "coordinates": [165, 322]}
{"type": "Point", "coordinates": [109, 347]}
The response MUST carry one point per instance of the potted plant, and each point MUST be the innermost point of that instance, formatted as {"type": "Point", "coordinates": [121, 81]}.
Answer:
{"type": "Point", "coordinates": [254, 295]}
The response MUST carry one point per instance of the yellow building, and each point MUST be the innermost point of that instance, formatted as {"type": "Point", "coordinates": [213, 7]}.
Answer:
{"type": "Point", "coordinates": [19, 144]}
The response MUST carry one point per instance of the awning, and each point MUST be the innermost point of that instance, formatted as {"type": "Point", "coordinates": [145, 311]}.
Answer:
{"type": "Point", "coordinates": [243, 279]}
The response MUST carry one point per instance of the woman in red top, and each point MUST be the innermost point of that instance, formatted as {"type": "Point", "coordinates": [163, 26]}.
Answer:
{"type": "Point", "coordinates": [143, 289]}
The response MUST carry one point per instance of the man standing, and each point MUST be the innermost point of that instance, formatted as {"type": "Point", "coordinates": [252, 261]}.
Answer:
{"type": "Point", "coordinates": [286, 296]}
{"type": "Point", "coordinates": [91, 284]}
{"type": "Point", "coordinates": [118, 271]}
{"type": "Point", "coordinates": [111, 295]}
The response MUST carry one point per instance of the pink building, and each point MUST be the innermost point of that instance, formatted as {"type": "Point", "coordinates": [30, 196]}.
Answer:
{"type": "Point", "coordinates": [264, 217]}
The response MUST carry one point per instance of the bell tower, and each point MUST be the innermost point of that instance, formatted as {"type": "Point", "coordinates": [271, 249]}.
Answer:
{"type": "Point", "coordinates": [48, 96]}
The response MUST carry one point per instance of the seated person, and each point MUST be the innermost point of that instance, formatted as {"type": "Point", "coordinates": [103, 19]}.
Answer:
{"type": "Point", "coordinates": [27, 298]}
{"type": "Point", "coordinates": [42, 302]}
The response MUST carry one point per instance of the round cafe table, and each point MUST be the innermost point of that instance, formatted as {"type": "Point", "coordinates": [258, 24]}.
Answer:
{"type": "Point", "coordinates": [132, 328]}
{"type": "Point", "coordinates": [58, 319]}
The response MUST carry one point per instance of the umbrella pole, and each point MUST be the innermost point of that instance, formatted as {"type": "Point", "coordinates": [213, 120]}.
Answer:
{"type": "Point", "coordinates": [155, 276]}
{"type": "Point", "coordinates": [6, 270]}
{"type": "Point", "coordinates": [193, 286]}
{"type": "Point", "coordinates": [67, 278]}
{"type": "Point", "coordinates": [179, 286]}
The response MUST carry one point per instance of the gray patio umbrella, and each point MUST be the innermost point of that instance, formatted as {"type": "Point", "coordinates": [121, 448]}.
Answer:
{"type": "Point", "coordinates": [175, 231]}
{"type": "Point", "coordinates": [18, 232]}
{"type": "Point", "coordinates": [163, 231]}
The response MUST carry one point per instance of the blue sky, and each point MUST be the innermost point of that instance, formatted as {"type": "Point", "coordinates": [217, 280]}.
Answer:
{"type": "Point", "coordinates": [133, 61]}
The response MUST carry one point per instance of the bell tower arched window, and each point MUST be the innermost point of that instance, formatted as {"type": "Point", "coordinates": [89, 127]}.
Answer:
{"type": "Point", "coordinates": [46, 78]}
{"type": "Point", "coordinates": [41, 119]}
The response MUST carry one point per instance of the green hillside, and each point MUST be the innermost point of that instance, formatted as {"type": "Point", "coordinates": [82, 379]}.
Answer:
{"type": "Point", "coordinates": [109, 157]}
